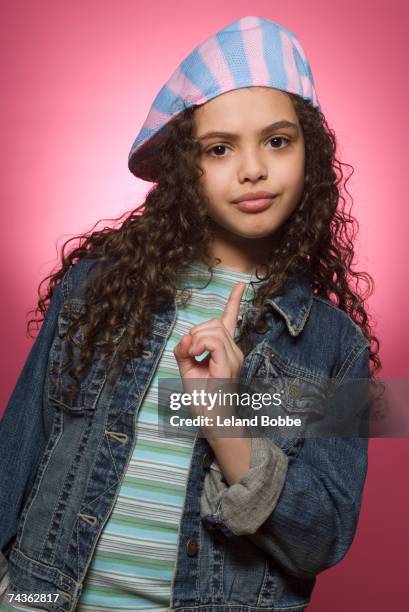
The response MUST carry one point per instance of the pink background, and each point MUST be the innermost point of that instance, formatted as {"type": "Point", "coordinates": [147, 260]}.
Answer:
{"type": "Point", "coordinates": [78, 80]}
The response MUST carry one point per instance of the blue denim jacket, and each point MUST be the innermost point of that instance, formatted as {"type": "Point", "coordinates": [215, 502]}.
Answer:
{"type": "Point", "coordinates": [255, 545]}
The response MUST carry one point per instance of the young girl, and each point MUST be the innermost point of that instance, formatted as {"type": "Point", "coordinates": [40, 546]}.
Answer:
{"type": "Point", "coordinates": [243, 253]}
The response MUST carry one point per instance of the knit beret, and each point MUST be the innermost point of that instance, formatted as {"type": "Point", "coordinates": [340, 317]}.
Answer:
{"type": "Point", "coordinates": [251, 51]}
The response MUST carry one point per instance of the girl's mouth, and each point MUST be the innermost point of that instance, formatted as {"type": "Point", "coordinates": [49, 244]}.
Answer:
{"type": "Point", "coordinates": [254, 205]}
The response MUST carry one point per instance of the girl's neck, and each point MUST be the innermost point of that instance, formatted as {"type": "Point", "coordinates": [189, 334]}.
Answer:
{"type": "Point", "coordinates": [239, 254]}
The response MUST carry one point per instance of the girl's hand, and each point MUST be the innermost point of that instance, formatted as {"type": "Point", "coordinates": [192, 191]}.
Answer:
{"type": "Point", "coordinates": [216, 336]}
{"type": "Point", "coordinates": [223, 362]}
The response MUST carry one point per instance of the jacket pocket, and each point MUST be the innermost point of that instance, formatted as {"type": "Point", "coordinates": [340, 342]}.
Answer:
{"type": "Point", "coordinates": [58, 374]}
{"type": "Point", "coordinates": [298, 399]}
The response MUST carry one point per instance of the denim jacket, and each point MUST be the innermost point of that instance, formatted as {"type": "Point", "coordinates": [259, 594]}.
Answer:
{"type": "Point", "coordinates": [257, 544]}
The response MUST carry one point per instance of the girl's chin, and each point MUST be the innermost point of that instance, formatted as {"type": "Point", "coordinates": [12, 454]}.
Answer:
{"type": "Point", "coordinates": [245, 228]}
{"type": "Point", "coordinates": [252, 234]}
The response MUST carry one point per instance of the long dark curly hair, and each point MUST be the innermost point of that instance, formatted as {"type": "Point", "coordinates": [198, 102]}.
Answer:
{"type": "Point", "coordinates": [143, 253]}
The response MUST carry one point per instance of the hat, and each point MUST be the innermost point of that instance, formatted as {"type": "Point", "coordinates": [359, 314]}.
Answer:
{"type": "Point", "coordinates": [251, 51]}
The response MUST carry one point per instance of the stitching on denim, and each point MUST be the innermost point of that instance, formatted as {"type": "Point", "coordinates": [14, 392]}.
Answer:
{"type": "Point", "coordinates": [67, 475]}
{"type": "Point", "coordinates": [114, 422]}
{"type": "Point", "coordinates": [222, 566]}
{"type": "Point", "coordinates": [62, 577]}
{"type": "Point", "coordinates": [90, 503]}
{"type": "Point", "coordinates": [135, 377]}
{"type": "Point", "coordinates": [263, 584]}
{"type": "Point", "coordinates": [304, 374]}
{"type": "Point", "coordinates": [92, 467]}
{"type": "Point", "coordinates": [112, 457]}
{"type": "Point", "coordinates": [349, 361]}
{"type": "Point", "coordinates": [78, 547]}
{"type": "Point", "coordinates": [199, 571]}
{"type": "Point", "coordinates": [30, 502]}
{"type": "Point", "coordinates": [307, 312]}
{"type": "Point", "coordinates": [295, 330]}
{"type": "Point", "coordinates": [345, 365]}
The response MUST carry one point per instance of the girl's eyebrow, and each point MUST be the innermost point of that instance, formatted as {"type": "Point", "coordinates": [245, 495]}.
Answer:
{"type": "Point", "coordinates": [284, 123]}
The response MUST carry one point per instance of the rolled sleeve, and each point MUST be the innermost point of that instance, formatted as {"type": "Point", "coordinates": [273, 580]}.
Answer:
{"type": "Point", "coordinates": [240, 509]}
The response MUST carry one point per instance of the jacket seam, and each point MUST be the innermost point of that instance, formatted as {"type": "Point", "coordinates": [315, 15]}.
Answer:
{"type": "Point", "coordinates": [351, 358]}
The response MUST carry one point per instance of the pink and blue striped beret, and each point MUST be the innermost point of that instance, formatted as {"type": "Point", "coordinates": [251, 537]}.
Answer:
{"type": "Point", "coordinates": [251, 51]}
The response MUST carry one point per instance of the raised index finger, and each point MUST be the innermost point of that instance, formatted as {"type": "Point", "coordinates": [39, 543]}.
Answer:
{"type": "Point", "coordinates": [232, 308]}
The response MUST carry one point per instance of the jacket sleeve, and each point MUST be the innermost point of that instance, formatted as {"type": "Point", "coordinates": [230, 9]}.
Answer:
{"type": "Point", "coordinates": [306, 521]}
{"type": "Point", "coordinates": [24, 429]}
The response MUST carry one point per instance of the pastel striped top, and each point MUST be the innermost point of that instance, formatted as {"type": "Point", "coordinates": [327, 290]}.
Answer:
{"type": "Point", "coordinates": [134, 560]}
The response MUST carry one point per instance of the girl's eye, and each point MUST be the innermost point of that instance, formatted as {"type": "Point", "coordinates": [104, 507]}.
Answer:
{"type": "Point", "coordinates": [209, 151]}
{"type": "Point", "coordinates": [218, 147]}
{"type": "Point", "coordinates": [279, 138]}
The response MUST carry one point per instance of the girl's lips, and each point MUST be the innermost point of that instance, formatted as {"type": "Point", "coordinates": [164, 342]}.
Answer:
{"type": "Point", "coordinates": [254, 205]}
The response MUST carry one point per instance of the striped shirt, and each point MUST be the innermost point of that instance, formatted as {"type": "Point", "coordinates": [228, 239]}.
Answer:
{"type": "Point", "coordinates": [134, 560]}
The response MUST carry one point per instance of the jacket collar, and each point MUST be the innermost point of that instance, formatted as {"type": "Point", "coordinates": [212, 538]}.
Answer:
{"type": "Point", "coordinates": [294, 302]}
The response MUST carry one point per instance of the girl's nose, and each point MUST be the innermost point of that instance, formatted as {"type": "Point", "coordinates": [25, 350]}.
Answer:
{"type": "Point", "coordinates": [252, 170]}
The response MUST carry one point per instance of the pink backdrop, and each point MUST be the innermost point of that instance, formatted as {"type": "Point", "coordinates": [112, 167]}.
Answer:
{"type": "Point", "coordinates": [78, 80]}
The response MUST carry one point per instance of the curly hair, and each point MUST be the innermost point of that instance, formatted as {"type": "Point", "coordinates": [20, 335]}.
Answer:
{"type": "Point", "coordinates": [141, 257]}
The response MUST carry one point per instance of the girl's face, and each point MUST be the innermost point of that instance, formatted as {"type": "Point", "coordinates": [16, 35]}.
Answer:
{"type": "Point", "coordinates": [248, 156]}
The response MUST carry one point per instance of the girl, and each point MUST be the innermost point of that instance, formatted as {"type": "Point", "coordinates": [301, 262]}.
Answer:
{"type": "Point", "coordinates": [243, 252]}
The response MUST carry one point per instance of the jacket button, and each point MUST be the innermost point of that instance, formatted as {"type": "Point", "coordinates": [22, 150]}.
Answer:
{"type": "Point", "coordinates": [192, 547]}
{"type": "Point", "coordinates": [271, 355]}
{"type": "Point", "coordinates": [207, 460]}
